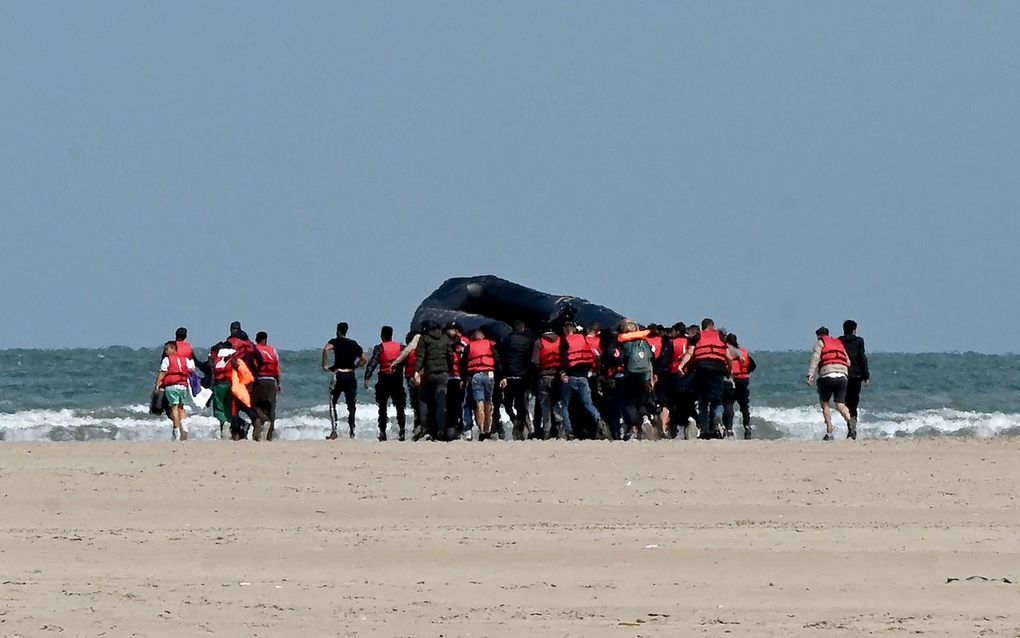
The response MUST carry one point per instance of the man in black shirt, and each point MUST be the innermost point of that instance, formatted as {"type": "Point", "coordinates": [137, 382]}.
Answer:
{"type": "Point", "coordinates": [515, 352]}
{"type": "Point", "coordinates": [347, 357]}
{"type": "Point", "coordinates": [859, 373]}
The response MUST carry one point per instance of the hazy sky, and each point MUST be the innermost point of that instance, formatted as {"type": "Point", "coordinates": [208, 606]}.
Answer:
{"type": "Point", "coordinates": [774, 165]}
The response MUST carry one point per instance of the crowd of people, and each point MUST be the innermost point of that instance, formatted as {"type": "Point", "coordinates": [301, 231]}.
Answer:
{"type": "Point", "coordinates": [626, 382]}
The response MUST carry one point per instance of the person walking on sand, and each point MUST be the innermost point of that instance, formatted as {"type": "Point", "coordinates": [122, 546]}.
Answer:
{"type": "Point", "coordinates": [860, 375]}
{"type": "Point", "coordinates": [390, 386]}
{"type": "Point", "coordinates": [830, 367]}
{"type": "Point", "coordinates": [174, 371]}
{"type": "Point", "coordinates": [266, 389]}
{"type": "Point", "coordinates": [348, 355]}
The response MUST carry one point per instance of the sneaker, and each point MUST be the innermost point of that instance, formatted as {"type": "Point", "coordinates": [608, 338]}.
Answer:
{"type": "Point", "coordinates": [467, 436]}
{"type": "Point", "coordinates": [400, 436]}
{"type": "Point", "coordinates": [747, 433]}
{"type": "Point", "coordinates": [827, 437]}
{"type": "Point", "coordinates": [730, 434]}
{"type": "Point", "coordinates": [851, 429]}
{"type": "Point", "coordinates": [382, 436]}
{"type": "Point", "coordinates": [332, 436]}
{"type": "Point", "coordinates": [352, 433]}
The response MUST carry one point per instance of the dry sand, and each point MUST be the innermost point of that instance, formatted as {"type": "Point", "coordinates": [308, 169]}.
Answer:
{"type": "Point", "coordinates": [494, 539]}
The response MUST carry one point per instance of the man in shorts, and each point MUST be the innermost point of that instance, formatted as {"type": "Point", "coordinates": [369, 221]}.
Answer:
{"type": "Point", "coordinates": [174, 372]}
{"type": "Point", "coordinates": [830, 368]}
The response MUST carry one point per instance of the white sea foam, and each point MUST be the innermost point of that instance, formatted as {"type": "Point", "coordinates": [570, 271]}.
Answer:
{"type": "Point", "coordinates": [133, 423]}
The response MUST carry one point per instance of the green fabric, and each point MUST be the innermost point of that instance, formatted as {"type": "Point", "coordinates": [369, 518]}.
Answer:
{"type": "Point", "coordinates": [176, 396]}
{"type": "Point", "coordinates": [221, 402]}
{"type": "Point", "coordinates": [638, 357]}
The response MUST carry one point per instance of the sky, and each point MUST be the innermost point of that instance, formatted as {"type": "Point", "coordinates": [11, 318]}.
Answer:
{"type": "Point", "coordinates": [777, 166]}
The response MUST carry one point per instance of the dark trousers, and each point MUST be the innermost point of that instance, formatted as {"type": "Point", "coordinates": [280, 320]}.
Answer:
{"type": "Point", "coordinates": [347, 385]}
{"type": "Point", "coordinates": [634, 399]}
{"type": "Point", "coordinates": [515, 402]}
{"type": "Point", "coordinates": [432, 403]}
{"type": "Point", "coordinates": [390, 387]}
{"type": "Point", "coordinates": [729, 397]}
{"type": "Point", "coordinates": [681, 403]}
{"type": "Point", "coordinates": [853, 395]}
{"type": "Point", "coordinates": [263, 400]}
{"type": "Point", "coordinates": [742, 394]}
{"type": "Point", "coordinates": [455, 405]}
{"type": "Point", "coordinates": [412, 397]}
{"type": "Point", "coordinates": [547, 392]}
{"type": "Point", "coordinates": [614, 389]}
{"type": "Point", "coordinates": [708, 391]}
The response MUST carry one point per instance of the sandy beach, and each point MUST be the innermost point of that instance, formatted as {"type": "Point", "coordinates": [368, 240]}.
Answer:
{"type": "Point", "coordinates": [471, 539]}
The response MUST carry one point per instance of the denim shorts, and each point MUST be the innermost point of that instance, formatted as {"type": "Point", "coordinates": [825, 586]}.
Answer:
{"type": "Point", "coordinates": [483, 384]}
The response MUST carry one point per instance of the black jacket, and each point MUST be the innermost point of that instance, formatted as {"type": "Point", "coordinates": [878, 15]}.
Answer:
{"type": "Point", "coordinates": [516, 351]}
{"type": "Point", "coordinates": [858, 359]}
{"type": "Point", "coordinates": [435, 353]}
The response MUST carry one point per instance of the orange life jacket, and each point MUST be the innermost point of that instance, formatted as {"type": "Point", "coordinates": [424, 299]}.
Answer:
{"type": "Point", "coordinates": [240, 378]}
{"type": "Point", "coordinates": [549, 354]}
{"type": "Point", "coordinates": [740, 370]}
{"type": "Point", "coordinates": [481, 356]}
{"type": "Point", "coordinates": [833, 353]}
{"type": "Point", "coordinates": [388, 353]}
{"type": "Point", "coordinates": [710, 347]}
{"type": "Point", "coordinates": [177, 373]}
{"type": "Point", "coordinates": [578, 351]}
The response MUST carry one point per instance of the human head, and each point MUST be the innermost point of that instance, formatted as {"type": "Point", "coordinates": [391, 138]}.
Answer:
{"type": "Point", "coordinates": [654, 330]}
{"type": "Point", "coordinates": [170, 347]}
{"type": "Point", "coordinates": [452, 329]}
{"type": "Point", "coordinates": [822, 332]}
{"type": "Point", "coordinates": [707, 324]}
{"type": "Point", "coordinates": [261, 337]}
{"type": "Point", "coordinates": [235, 327]}
{"type": "Point", "coordinates": [569, 328]}
{"type": "Point", "coordinates": [849, 327]}
{"type": "Point", "coordinates": [410, 336]}
{"type": "Point", "coordinates": [693, 330]}
{"type": "Point", "coordinates": [341, 329]}
{"type": "Point", "coordinates": [386, 333]}
{"type": "Point", "coordinates": [732, 340]}
{"type": "Point", "coordinates": [181, 334]}
{"type": "Point", "coordinates": [594, 329]}
{"type": "Point", "coordinates": [679, 329]}
{"type": "Point", "coordinates": [478, 334]}
{"type": "Point", "coordinates": [520, 326]}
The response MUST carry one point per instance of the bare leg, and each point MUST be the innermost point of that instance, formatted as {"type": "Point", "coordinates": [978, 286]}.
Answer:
{"type": "Point", "coordinates": [827, 417]}
{"type": "Point", "coordinates": [664, 416]}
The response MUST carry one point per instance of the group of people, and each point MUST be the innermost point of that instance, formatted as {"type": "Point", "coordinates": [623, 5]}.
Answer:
{"type": "Point", "coordinates": [241, 380]}
{"type": "Point", "coordinates": [567, 382]}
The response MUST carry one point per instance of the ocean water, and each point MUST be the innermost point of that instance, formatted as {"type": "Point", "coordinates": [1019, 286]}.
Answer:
{"type": "Point", "coordinates": [87, 394]}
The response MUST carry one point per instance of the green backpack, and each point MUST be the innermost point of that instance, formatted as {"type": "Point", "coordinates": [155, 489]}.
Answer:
{"type": "Point", "coordinates": [638, 357]}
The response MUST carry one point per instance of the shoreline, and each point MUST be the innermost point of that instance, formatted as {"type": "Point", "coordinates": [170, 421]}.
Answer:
{"type": "Point", "coordinates": [581, 538]}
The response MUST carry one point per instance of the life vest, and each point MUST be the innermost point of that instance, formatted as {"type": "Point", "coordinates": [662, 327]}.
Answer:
{"type": "Point", "coordinates": [411, 360]}
{"type": "Point", "coordinates": [221, 366]}
{"type": "Point", "coordinates": [549, 354]}
{"type": "Point", "coordinates": [833, 353]}
{"type": "Point", "coordinates": [481, 356]}
{"type": "Point", "coordinates": [679, 350]}
{"type": "Point", "coordinates": [460, 345]}
{"type": "Point", "coordinates": [240, 378]}
{"type": "Point", "coordinates": [740, 370]}
{"type": "Point", "coordinates": [270, 361]}
{"type": "Point", "coordinates": [596, 348]}
{"type": "Point", "coordinates": [579, 353]}
{"type": "Point", "coordinates": [656, 344]}
{"type": "Point", "coordinates": [177, 373]}
{"type": "Point", "coordinates": [388, 353]}
{"type": "Point", "coordinates": [185, 350]}
{"type": "Point", "coordinates": [710, 347]}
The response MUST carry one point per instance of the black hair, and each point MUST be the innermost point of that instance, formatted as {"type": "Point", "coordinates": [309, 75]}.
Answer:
{"type": "Point", "coordinates": [822, 332]}
{"type": "Point", "coordinates": [386, 333]}
{"type": "Point", "coordinates": [706, 323]}
{"type": "Point", "coordinates": [169, 344]}
{"type": "Point", "coordinates": [181, 334]}
{"type": "Point", "coordinates": [849, 327]}
{"type": "Point", "coordinates": [261, 337]}
{"type": "Point", "coordinates": [519, 326]}
{"type": "Point", "coordinates": [341, 328]}
{"type": "Point", "coordinates": [410, 336]}
{"type": "Point", "coordinates": [732, 340]}
{"type": "Point", "coordinates": [679, 327]}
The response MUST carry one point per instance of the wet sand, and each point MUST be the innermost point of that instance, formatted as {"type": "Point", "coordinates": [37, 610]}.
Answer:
{"type": "Point", "coordinates": [496, 539]}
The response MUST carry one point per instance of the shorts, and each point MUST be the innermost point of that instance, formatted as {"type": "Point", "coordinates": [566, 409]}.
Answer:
{"type": "Point", "coordinates": [483, 384]}
{"type": "Point", "coordinates": [176, 394]}
{"type": "Point", "coordinates": [832, 388]}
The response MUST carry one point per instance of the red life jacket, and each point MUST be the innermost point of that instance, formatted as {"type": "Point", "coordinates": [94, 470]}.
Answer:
{"type": "Point", "coordinates": [460, 345]}
{"type": "Point", "coordinates": [578, 351]}
{"type": "Point", "coordinates": [679, 350]}
{"type": "Point", "coordinates": [549, 354]}
{"type": "Point", "coordinates": [221, 367]}
{"type": "Point", "coordinates": [177, 373]}
{"type": "Point", "coordinates": [481, 356]}
{"type": "Point", "coordinates": [270, 361]}
{"type": "Point", "coordinates": [833, 353]}
{"type": "Point", "coordinates": [656, 344]}
{"type": "Point", "coordinates": [185, 350]}
{"type": "Point", "coordinates": [388, 353]}
{"type": "Point", "coordinates": [710, 347]}
{"type": "Point", "coordinates": [740, 370]}
{"type": "Point", "coordinates": [595, 345]}
{"type": "Point", "coordinates": [411, 360]}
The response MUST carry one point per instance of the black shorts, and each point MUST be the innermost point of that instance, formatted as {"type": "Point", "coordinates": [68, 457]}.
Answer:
{"type": "Point", "coordinates": [832, 388]}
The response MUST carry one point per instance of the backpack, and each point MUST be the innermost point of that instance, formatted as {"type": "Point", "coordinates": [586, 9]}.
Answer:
{"type": "Point", "coordinates": [637, 357]}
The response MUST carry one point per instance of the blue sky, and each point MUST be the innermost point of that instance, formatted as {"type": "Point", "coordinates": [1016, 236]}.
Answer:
{"type": "Point", "coordinates": [774, 165]}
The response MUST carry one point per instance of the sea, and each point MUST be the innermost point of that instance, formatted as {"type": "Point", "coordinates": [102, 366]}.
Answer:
{"type": "Point", "coordinates": [102, 394]}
